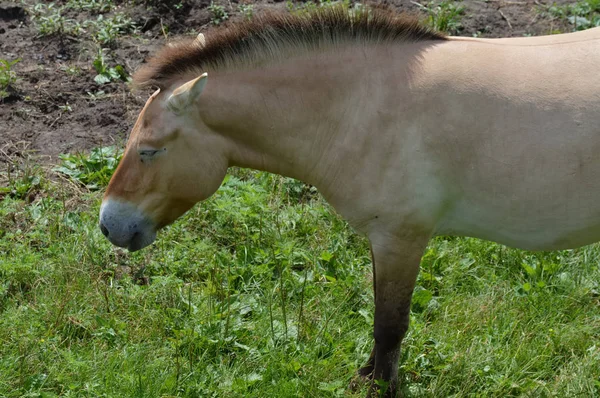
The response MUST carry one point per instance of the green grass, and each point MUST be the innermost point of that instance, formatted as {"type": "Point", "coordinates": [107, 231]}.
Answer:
{"type": "Point", "coordinates": [262, 291]}
{"type": "Point", "coordinates": [21, 180]}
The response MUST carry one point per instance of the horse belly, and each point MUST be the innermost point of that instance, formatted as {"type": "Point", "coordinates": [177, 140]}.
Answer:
{"type": "Point", "coordinates": [537, 194]}
{"type": "Point", "coordinates": [533, 231]}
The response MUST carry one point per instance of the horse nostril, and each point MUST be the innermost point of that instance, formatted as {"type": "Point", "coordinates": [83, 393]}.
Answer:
{"type": "Point", "coordinates": [103, 229]}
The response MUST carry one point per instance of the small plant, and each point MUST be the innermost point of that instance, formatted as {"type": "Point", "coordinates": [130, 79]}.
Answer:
{"type": "Point", "coordinates": [444, 16]}
{"type": "Point", "coordinates": [72, 70]}
{"type": "Point", "coordinates": [107, 30]}
{"type": "Point", "coordinates": [582, 15]}
{"type": "Point", "coordinates": [65, 108]}
{"type": "Point", "coordinates": [298, 8]}
{"type": "Point", "coordinates": [107, 74]}
{"type": "Point", "coordinates": [48, 18]}
{"type": "Point", "coordinates": [20, 183]}
{"type": "Point", "coordinates": [246, 10]}
{"type": "Point", "coordinates": [98, 95]}
{"type": "Point", "coordinates": [218, 14]}
{"type": "Point", "coordinates": [96, 6]}
{"type": "Point", "coordinates": [93, 170]}
{"type": "Point", "coordinates": [311, 6]}
{"type": "Point", "coordinates": [7, 76]}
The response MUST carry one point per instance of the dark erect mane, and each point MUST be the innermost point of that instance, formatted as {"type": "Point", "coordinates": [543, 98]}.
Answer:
{"type": "Point", "coordinates": [267, 36]}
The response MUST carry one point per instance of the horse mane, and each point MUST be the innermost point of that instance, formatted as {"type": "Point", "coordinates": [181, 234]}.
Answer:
{"type": "Point", "coordinates": [266, 37]}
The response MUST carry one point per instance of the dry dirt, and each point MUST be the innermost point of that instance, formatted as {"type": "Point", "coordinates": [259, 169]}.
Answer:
{"type": "Point", "coordinates": [34, 118]}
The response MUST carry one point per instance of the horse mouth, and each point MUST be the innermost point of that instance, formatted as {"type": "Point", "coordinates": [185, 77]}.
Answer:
{"type": "Point", "coordinates": [140, 241]}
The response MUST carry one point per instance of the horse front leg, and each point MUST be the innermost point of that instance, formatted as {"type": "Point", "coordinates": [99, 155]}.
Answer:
{"type": "Point", "coordinates": [396, 265]}
{"type": "Point", "coordinates": [366, 372]}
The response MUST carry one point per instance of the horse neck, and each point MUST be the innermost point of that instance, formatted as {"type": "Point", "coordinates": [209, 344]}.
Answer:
{"type": "Point", "coordinates": [283, 118]}
{"type": "Point", "coordinates": [306, 117]}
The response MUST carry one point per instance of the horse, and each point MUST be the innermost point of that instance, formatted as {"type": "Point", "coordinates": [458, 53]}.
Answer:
{"type": "Point", "coordinates": [406, 132]}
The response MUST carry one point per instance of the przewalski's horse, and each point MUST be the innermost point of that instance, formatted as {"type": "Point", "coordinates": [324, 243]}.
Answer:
{"type": "Point", "coordinates": [407, 133]}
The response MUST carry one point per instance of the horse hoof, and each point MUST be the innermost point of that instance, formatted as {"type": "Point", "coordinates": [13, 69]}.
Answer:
{"type": "Point", "coordinates": [363, 377]}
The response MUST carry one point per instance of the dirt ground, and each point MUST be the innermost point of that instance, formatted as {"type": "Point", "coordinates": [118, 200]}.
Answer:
{"type": "Point", "coordinates": [51, 111]}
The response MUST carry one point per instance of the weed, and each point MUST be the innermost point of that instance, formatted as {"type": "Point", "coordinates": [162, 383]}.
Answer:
{"type": "Point", "coordinates": [107, 30]}
{"type": "Point", "coordinates": [311, 6]}
{"type": "Point", "coordinates": [584, 14]}
{"type": "Point", "coordinates": [72, 70]}
{"type": "Point", "coordinates": [93, 170]}
{"type": "Point", "coordinates": [21, 186]}
{"type": "Point", "coordinates": [444, 16]}
{"type": "Point", "coordinates": [21, 182]}
{"type": "Point", "coordinates": [107, 74]}
{"type": "Point", "coordinates": [218, 14]}
{"type": "Point", "coordinates": [8, 77]}
{"type": "Point", "coordinates": [48, 18]}
{"type": "Point", "coordinates": [246, 10]}
{"type": "Point", "coordinates": [65, 108]}
{"type": "Point", "coordinates": [94, 6]}
{"type": "Point", "coordinates": [98, 95]}
{"type": "Point", "coordinates": [22, 178]}
{"type": "Point", "coordinates": [174, 4]}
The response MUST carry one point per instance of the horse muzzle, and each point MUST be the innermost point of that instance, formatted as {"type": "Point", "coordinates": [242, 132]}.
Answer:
{"type": "Point", "coordinates": [124, 225]}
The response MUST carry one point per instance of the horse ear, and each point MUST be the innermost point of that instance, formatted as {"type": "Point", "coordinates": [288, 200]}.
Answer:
{"type": "Point", "coordinates": [200, 40]}
{"type": "Point", "coordinates": [186, 94]}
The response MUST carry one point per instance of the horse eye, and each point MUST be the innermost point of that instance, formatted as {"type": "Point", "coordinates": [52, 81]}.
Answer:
{"type": "Point", "coordinates": [147, 153]}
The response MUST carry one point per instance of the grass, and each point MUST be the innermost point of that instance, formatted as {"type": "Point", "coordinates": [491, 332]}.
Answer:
{"type": "Point", "coordinates": [263, 291]}
{"type": "Point", "coordinates": [22, 179]}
